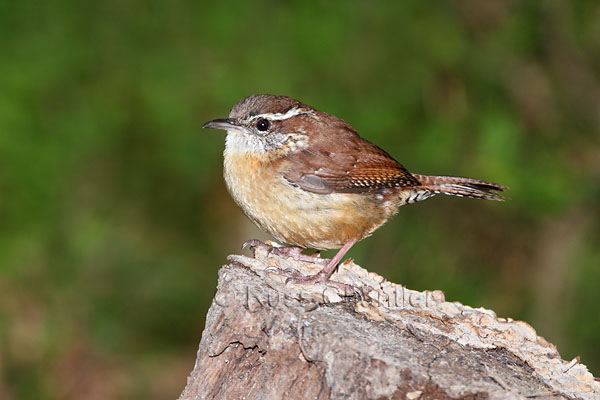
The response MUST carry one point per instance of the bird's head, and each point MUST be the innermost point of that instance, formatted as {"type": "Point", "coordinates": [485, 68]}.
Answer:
{"type": "Point", "coordinates": [267, 123]}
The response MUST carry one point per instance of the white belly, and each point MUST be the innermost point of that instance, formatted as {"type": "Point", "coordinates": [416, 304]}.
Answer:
{"type": "Point", "coordinates": [298, 217]}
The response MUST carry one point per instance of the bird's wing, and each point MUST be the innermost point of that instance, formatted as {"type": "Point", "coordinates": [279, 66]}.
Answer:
{"type": "Point", "coordinates": [345, 164]}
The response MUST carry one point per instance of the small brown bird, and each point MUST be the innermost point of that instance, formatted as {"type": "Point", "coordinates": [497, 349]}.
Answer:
{"type": "Point", "coordinates": [308, 179]}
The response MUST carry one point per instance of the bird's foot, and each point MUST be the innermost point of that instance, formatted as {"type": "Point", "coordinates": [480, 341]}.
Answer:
{"type": "Point", "coordinates": [293, 252]}
{"type": "Point", "coordinates": [295, 276]}
{"type": "Point", "coordinates": [321, 277]}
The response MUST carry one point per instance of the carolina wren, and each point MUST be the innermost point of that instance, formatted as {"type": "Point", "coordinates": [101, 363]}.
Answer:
{"type": "Point", "coordinates": [308, 178]}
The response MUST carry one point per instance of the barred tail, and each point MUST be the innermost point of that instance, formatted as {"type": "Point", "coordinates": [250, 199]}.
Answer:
{"type": "Point", "coordinates": [463, 187]}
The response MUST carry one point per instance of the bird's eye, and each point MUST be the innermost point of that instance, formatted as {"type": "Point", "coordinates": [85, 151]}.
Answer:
{"type": "Point", "coordinates": [262, 124]}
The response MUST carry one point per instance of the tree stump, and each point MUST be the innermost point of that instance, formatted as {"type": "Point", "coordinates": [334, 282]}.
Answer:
{"type": "Point", "coordinates": [265, 339]}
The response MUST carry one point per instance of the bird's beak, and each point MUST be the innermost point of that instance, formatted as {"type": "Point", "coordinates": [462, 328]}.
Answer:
{"type": "Point", "coordinates": [227, 124]}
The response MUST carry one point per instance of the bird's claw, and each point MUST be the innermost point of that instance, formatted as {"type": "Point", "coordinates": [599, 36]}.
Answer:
{"type": "Point", "coordinates": [252, 244]}
{"type": "Point", "coordinates": [290, 252]}
{"type": "Point", "coordinates": [297, 277]}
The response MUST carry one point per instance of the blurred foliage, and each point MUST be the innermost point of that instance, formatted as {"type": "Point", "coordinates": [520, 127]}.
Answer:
{"type": "Point", "coordinates": [114, 218]}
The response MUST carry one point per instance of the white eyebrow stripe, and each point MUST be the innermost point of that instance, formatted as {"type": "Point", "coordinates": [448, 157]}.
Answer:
{"type": "Point", "coordinates": [280, 117]}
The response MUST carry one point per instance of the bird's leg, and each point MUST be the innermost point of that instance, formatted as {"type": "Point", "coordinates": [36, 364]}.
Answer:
{"type": "Point", "coordinates": [325, 273]}
{"type": "Point", "coordinates": [294, 252]}
{"type": "Point", "coordinates": [296, 276]}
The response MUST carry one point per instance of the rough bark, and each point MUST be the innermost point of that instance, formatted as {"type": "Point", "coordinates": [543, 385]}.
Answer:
{"type": "Point", "coordinates": [265, 339]}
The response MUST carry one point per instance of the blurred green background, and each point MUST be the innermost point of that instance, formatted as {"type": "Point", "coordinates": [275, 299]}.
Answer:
{"type": "Point", "coordinates": [114, 217]}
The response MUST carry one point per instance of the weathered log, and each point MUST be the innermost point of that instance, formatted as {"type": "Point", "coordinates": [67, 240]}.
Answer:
{"type": "Point", "coordinates": [265, 339]}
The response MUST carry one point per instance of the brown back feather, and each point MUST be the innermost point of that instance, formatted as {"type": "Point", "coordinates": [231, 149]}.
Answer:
{"type": "Point", "coordinates": [345, 163]}
{"type": "Point", "coordinates": [338, 160]}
